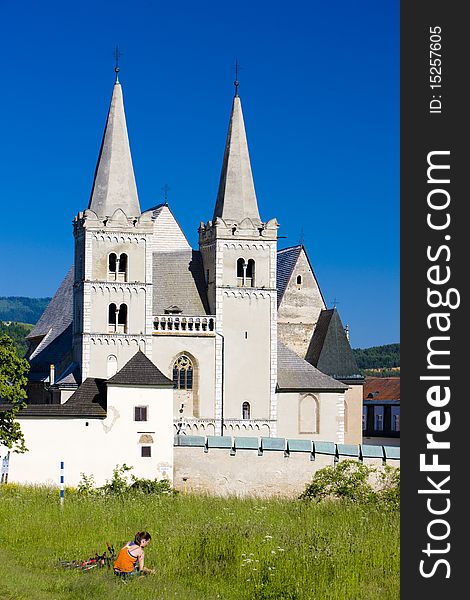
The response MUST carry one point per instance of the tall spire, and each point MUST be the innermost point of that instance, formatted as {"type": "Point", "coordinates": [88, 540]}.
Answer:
{"type": "Point", "coordinates": [236, 198]}
{"type": "Point", "coordinates": [114, 184]}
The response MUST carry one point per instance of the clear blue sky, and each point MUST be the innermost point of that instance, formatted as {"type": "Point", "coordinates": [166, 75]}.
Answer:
{"type": "Point", "coordinates": [320, 90]}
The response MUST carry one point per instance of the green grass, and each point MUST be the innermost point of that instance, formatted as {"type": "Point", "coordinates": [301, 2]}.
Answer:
{"type": "Point", "coordinates": [202, 548]}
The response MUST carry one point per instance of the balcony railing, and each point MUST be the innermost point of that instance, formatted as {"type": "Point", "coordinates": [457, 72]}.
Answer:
{"type": "Point", "coordinates": [184, 324]}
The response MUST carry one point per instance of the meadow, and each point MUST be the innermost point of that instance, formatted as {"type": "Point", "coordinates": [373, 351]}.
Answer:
{"type": "Point", "coordinates": [202, 548]}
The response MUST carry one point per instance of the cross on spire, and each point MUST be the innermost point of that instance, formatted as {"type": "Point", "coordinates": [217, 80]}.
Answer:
{"type": "Point", "coordinates": [166, 188]}
{"type": "Point", "coordinates": [335, 302]}
{"type": "Point", "coordinates": [236, 82]}
{"type": "Point", "coordinates": [117, 54]}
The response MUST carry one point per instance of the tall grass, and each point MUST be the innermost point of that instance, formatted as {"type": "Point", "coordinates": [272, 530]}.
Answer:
{"type": "Point", "coordinates": [202, 548]}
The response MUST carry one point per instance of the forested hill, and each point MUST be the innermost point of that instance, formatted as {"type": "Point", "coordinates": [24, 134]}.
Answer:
{"type": "Point", "coordinates": [22, 310]}
{"type": "Point", "coordinates": [378, 357]}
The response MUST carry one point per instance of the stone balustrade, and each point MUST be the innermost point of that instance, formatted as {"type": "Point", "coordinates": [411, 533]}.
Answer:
{"type": "Point", "coordinates": [188, 325]}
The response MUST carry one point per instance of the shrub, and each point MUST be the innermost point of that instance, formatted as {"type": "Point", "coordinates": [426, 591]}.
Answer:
{"type": "Point", "coordinates": [119, 485]}
{"type": "Point", "coordinates": [351, 480]}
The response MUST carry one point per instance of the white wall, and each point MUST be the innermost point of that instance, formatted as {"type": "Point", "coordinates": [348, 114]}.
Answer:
{"type": "Point", "coordinates": [96, 446]}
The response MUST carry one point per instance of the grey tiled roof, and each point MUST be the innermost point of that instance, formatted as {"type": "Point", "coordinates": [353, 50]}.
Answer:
{"type": "Point", "coordinates": [140, 370]}
{"type": "Point", "coordinates": [178, 279]}
{"type": "Point", "coordinates": [88, 401]}
{"type": "Point", "coordinates": [329, 349]}
{"type": "Point", "coordinates": [59, 312]}
{"type": "Point", "coordinates": [294, 373]}
{"type": "Point", "coordinates": [286, 261]}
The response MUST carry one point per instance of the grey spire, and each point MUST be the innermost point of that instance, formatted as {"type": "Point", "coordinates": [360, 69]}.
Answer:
{"type": "Point", "coordinates": [236, 198]}
{"type": "Point", "coordinates": [114, 184]}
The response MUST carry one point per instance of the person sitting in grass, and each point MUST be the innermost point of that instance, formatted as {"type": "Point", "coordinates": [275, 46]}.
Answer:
{"type": "Point", "coordinates": [130, 560]}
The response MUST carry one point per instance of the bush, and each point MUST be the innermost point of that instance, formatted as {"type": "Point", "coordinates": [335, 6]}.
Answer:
{"type": "Point", "coordinates": [351, 480]}
{"type": "Point", "coordinates": [119, 485]}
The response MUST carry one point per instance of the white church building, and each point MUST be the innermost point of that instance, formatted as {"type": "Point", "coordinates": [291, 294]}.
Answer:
{"type": "Point", "coordinates": [147, 337]}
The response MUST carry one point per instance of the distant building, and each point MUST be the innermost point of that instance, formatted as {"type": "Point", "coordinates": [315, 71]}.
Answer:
{"type": "Point", "coordinates": [381, 411]}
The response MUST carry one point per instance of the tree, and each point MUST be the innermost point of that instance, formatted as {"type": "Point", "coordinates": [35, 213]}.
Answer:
{"type": "Point", "coordinates": [13, 371]}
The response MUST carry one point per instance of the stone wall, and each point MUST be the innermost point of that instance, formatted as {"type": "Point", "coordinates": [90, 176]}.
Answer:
{"type": "Point", "coordinates": [262, 467]}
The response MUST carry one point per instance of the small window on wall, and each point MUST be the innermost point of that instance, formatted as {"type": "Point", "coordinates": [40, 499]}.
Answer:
{"type": "Point", "coordinates": [146, 451]}
{"type": "Point", "coordinates": [378, 418]}
{"type": "Point", "coordinates": [299, 280]}
{"type": "Point", "coordinates": [140, 413]}
{"type": "Point", "coordinates": [395, 418]}
{"type": "Point", "coordinates": [246, 410]}
{"type": "Point", "coordinates": [364, 418]}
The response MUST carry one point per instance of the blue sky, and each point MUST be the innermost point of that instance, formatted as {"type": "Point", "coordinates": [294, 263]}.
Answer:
{"type": "Point", "coordinates": [319, 84]}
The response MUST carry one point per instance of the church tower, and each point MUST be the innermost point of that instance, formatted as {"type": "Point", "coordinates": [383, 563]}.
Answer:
{"type": "Point", "coordinates": [239, 255]}
{"type": "Point", "coordinates": [112, 293]}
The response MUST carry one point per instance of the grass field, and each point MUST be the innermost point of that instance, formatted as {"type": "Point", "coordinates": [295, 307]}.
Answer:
{"type": "Point", "coordinates": [202, 548]}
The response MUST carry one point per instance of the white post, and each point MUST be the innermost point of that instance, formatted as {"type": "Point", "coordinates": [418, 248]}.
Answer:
{"type": "Point", "coordinates": [62, 481]}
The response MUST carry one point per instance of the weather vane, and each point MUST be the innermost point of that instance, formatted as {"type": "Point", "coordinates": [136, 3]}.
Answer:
{"type": "Point", "coordinates": [166, 188]}
{"type": "Point", "coordinates": [117, 54]}
{"type": "Point", "coordinates": [236, 82]}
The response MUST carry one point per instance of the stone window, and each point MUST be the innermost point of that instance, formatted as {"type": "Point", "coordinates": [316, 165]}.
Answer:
{"type": "Point", "coordinates": [299, 280]}
{"type": "Point", "coordinates": [183, 373]}
{"type": "Point", "coordinates": [140, 413]}
{"type": "Point", "coordinates": [112, 263]}
{"type": "Point", "coordinates": [146, 451]}
{"type": "Point", "coordinates": [112, 318]}
{"type": "Point", "coordinates": [117, 318]}
{"type": "Point", "coordinates": [309, 414]}
{"type": "Point", "coordinates": [246, 410]}
{"type": "Point", "coordinates": [122, 267]}
{"type": "Point", "coordinates": [245, 273]}
{"type": "Point", "coordinates": [111, 365]}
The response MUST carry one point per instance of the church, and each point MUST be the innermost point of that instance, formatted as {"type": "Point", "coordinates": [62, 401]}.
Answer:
{"type": "Point", "coordinates": [149, 338]}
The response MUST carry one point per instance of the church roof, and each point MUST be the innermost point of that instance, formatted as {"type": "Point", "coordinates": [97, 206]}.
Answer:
{"type": "Point", "coordinates": [114, 183]}
{"type": "Point", "coordinates": [58, 313]}
{"type": "Point", "coordinates": [294, 373]}
{"type": "Point", "coordinates": [178, 280]}
{"type": "Point", "coordinates": [140, 370]}
{"type": "Point", "coordinates": [236, 198]}
{"type": "Point", "coordinates": [329, 348]}
{"type": "Point", "coordinates": [167, 233]}
{"type": "Point", "coordinates": [286, 261]}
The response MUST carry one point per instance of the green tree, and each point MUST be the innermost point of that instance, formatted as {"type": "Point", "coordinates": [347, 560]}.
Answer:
{"type": "Point", "coordinates": [13, 371]}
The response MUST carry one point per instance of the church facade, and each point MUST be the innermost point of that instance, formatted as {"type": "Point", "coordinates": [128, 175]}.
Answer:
{"type": "Point", "coordinates": [238, 328]}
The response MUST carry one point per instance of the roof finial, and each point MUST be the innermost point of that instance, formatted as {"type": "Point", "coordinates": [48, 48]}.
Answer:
{"type": "Point", "coordinates": [166, 188]}
{"type": "Point", "coordinates": [116, 68]}
{"type": "Point", "coordinates": [236, 82]}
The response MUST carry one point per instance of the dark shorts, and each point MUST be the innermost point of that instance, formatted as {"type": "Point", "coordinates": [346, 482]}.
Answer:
{"type": "Point", "coordinates": [126, 574]}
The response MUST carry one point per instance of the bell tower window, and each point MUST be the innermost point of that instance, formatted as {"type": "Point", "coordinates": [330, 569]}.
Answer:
{"type": "Point", "coordinates": [112, 264]}
{"type": "Point", "coordinates": [117, 318]}
{"type": "Point", "coordinates": [122, 267]}
{"type": "Point", "coordinates": [245, 273]}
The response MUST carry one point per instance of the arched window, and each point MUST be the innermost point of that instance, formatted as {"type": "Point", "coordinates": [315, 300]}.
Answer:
{"type": "Point", "coordinates": [112, 262]}
{"type": "Point", "coordinates": [117, 318]}
{"type": "Point", "coordinates": [246, 410]}
{"type": "Point", "coordinates": [250, 273]}
{"type": "Point", "coordinates": [122, 267]}
{"type": "Point", "coordinates": [112, 365]}
{"type": "Point", "coordinates": [122, 319]}
{"type": "Point", "coordinates": [308, 414]}
{"type": "Point", "coordinates": [112, 318]}
{"type": "Point", "coordinates": [299, 279]}
{"type": "Point", "coordinates": [245, 273]}
{"type": "Point", "coordinates": [183, 373]}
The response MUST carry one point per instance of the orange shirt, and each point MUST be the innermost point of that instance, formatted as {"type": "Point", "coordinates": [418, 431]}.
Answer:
{"type": "Point", "coordinates": [125, 562]}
